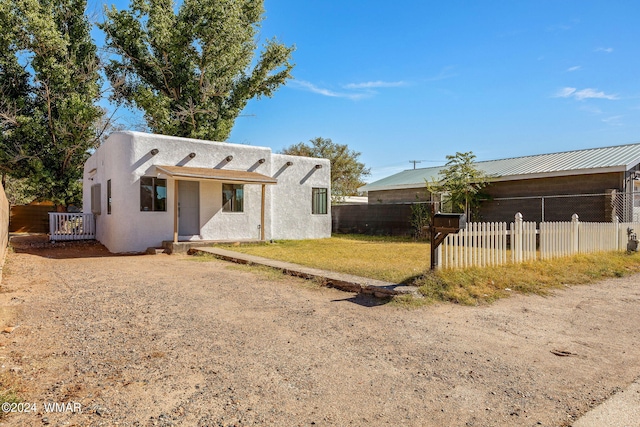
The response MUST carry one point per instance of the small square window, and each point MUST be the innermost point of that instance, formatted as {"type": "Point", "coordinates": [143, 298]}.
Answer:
{"type": "Point", "coordinates": [319, 201]}
{"type": "Point", "coordinates": [232, 198]}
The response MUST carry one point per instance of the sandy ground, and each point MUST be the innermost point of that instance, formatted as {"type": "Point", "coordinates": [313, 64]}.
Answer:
{"type": "Point", "coordinates": [160, 340]}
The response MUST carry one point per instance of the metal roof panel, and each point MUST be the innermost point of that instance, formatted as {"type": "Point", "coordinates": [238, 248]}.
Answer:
{"type": "Point", "coordinates": [581, 161]}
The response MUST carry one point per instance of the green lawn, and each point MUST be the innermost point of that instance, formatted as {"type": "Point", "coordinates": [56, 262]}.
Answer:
{"type": "Point", "coordinates": [397, 260]}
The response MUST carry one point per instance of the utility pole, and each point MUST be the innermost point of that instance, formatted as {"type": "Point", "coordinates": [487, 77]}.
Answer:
{"type": "Point", "coordinates": [414, 162]}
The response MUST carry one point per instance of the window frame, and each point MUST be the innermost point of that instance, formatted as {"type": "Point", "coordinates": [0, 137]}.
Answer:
{"type": "Point", "coordinates": [237, 204]}
{"type": "Point", "coordinates": [157, 204]}
{"type": "Point", "coordinates": [108, 197]}
{"type": "Point", "coordinates": [319, 200]}
{"type": "Point", "coordinates": [96, 195]}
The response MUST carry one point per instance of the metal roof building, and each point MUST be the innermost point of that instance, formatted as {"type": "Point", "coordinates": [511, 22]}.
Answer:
{"type": "Point", "coordinates": [620, 158]}
{"type": "Point", "coordinates": [597, 184]}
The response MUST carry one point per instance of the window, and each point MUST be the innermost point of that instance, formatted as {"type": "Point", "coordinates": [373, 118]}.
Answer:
{"type": "Point", "coordinates": [319, 201]}
{"type": "Point", "coordinates": [95, 199]}
{"type": "Point", "coordinates": [153, 194]}
{"type": "Point", "coordinates": [109, 197]}
{"type": "Point", "coordinates": [232, 198]}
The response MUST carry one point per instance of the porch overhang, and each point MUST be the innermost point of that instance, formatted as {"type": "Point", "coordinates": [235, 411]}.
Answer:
{"type": "Point", "coordinates": [221, 175]}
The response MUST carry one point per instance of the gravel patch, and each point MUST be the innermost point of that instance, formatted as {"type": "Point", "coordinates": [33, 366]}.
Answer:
{"type": "Point", "coordinates": [158, 340]}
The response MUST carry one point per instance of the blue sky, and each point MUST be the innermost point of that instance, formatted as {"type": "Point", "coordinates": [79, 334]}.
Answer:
{"type": "Point", "coordinates": [417, 80]}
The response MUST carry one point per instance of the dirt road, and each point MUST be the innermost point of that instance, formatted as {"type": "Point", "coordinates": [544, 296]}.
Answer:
{"type": "Point", "coordinates": [166, 341]}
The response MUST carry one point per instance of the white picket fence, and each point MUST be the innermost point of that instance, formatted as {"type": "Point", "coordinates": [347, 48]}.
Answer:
{"type": "Point", "coordinates": [480, 244]}
{"type": "Point", "coordinates": [71, 226]}
{"type": "Point", "coordinates": [489, 244]}
{"type": "Point", "coordinates": [523, 240]}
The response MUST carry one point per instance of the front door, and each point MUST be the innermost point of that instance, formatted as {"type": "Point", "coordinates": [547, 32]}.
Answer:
{"type": "Point", "coordinates": [188, 208]}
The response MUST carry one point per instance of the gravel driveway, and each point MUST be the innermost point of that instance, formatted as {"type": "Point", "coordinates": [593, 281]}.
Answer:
{"type": "Point", "coordinates": [160, 340]}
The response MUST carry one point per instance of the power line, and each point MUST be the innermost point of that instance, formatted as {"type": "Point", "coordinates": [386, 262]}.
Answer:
{"type": "Point", "coordinates": [414, 162]}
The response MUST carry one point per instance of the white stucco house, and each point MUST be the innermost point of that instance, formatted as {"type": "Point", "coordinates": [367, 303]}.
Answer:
{"type": "Point", "coordinates": [145, 189]}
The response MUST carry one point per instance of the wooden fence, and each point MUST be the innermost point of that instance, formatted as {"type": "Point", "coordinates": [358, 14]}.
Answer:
{"type": "Point", "coordinates": [30, 218]}
{"type": "Point", "coordinates": [71, 226]}
{"type": "Point", "coordinates": [489, 244]}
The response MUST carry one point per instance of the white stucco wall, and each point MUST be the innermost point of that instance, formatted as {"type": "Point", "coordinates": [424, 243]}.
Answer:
{"type": "Point", "coordinates": [125, 157]}
{"type": "Point", "coordinates": [218, 225]}
{"type": "Point", "coordinates": [291, 198]}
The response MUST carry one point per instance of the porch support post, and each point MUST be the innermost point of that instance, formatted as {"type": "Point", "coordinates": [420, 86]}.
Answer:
{"type": "Point", "coordinates": [262, 213]}
{"type": "Point", "coordinates": [175, 211]}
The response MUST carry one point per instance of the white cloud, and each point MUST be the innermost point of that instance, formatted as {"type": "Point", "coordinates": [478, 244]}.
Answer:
{"type": "Point", "coordinates": [575, 68]}
{"type": "Point", "coordinates": [302, 84]}
{"type": "Point", "coordinates": [312, 88]}
{"type": "Point", "coordinates": [604, 49]}
{"type": "Point", "coordinates": [353, 90]}
{"type": "Point", "coordinates": [583, 94]}
{"type": "Point", "coordinates": [565, 92]}
{"type": "Point", "coordinates": [613, 120]}
{"type": "Point", "coordinates": [592, 93]}
{"type": "Point", "coordinates": [376, 84]}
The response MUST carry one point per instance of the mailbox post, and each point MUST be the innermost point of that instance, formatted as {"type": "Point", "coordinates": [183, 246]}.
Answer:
{"type": "Point", "coordinates": [441, 225]}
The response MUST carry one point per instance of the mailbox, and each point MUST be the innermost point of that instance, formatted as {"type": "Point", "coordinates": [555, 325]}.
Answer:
{"type": "Point", "coordinates": [441, 225]}
{"type": "Point", "coordinates": [449, 222]}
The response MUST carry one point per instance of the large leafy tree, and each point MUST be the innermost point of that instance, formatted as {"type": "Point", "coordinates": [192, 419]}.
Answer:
{"type": "Point", "coordinates": [16, 105]}
{"type": "Point", "coordinates": [17, 191]}
{"type": "Point", "coordinates": [49, 84]}
{"type": "Point", "coordinates": [347, 172]}
{"type": "Point", "coordinates": [460, 182]}
{"type": "Point", "coordinates": [192, 72]}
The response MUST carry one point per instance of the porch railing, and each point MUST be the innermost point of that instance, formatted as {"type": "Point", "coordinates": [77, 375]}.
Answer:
{"type": "Point", "coordinates": [71, 226]}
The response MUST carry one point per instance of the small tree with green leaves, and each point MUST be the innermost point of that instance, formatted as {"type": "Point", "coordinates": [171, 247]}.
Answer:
{"type": "Point", "coordinates": [192, 72]}
{"type": "Point", "coordinates": [420, 218]}
{"type": "Point", "coordinates": [460, 182]}
{"type": "Point", "coordinates": [347, 172]}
